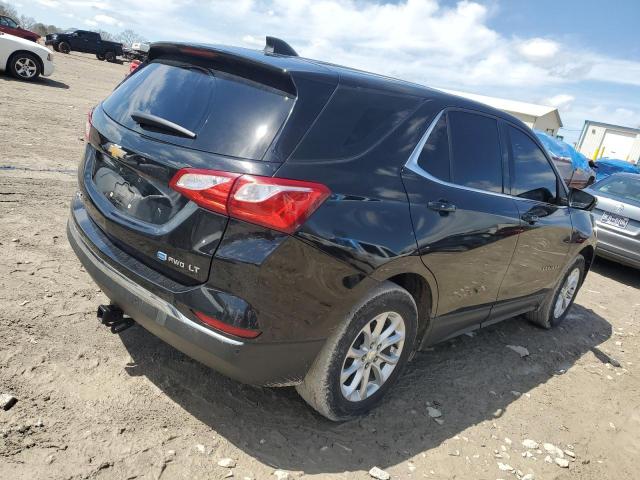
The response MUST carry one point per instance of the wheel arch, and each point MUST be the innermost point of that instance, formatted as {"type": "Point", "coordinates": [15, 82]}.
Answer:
{"type": "Point", "coordinates": [17, 52]}
{"type": "Point", "coordinates": [588, 253]}
{"type": "Point", "coordinates": [410, 273]}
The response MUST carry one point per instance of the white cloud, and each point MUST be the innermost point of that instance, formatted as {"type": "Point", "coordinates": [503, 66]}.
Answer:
{"type": "Point", "coordinates": [84, 4]}
{"type": "Point", "coordinates": [562, 101]}
{"type": "Point", "coordinates": [49, 3]}
{"type": "Point", "coordinates": [108, 20]}
{"type": "Point", "coordinates": [538, 48]}
{"type": "Point", "coordinates": [425, 41]}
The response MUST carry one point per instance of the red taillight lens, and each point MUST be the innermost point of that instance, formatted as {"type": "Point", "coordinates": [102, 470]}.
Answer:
{"type": "Point", "coordinates": [87, 125]}
{"type": "Point", "coordinates": [276, 203]}
{"type": "Point", "coordinates": [133, 65]}
{"type": "Point", "coordinates": [208, 188]}
{"type": "Point", "coordinates": [225, 327]}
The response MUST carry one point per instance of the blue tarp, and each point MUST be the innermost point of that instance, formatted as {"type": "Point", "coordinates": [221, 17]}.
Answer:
{"type": "Point", "coordinates": [562, 149]}
{"type": "Point", "coordinates": [608, 166]}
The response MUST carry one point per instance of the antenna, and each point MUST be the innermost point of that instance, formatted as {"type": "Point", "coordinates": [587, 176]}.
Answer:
{"type": "Point", "coordinates": [279, 47]}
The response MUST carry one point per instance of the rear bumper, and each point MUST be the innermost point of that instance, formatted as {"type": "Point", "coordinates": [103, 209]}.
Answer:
{"type": "Point", "coordinates": [267, 364]}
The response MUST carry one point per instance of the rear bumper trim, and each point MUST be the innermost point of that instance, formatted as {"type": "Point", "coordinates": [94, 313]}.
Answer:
{"type": "Point", "coordinates": [164, 309]}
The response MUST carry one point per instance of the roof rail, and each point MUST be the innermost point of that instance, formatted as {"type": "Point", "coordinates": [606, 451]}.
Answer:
{"type": "Point", "coordinates": [279, 47]}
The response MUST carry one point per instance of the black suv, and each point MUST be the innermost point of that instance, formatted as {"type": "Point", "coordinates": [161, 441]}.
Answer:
{"type": "Point", "coordinates": [290, 222]}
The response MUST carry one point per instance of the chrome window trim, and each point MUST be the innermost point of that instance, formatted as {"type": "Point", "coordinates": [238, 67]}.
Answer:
{"type": "Point", "coordinates": [412, 164]}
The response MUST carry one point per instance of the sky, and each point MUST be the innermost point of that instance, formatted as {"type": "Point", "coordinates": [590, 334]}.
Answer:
{"type": "Point", "coordinates": [582, 56]}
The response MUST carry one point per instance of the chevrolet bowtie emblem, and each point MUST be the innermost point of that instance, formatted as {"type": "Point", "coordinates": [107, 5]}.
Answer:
{"type": "Point", "coordinates": [116, 151]}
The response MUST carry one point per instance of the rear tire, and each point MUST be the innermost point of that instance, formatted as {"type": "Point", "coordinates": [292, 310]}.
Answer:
{"type": "Point", "coordinates": [559, 301]}
{"type": "Point", "coordinates": [110, 57]}
{"type": "Point", "coordinates": [335, 385]}
{"type": "Point", "coordinates": [25, 66]}
{"type": "Point", "coordinates": [63, 47]}
{"type": "Point", "coordinates": [100, 56]}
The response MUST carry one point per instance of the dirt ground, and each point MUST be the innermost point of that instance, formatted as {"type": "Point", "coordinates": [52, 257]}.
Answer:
{"type": "Point", "coordinates": [96, 405]}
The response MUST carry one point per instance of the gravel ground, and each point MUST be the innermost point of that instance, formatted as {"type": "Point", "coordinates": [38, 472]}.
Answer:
{"type": "Point", "coordinates": [95, 405]}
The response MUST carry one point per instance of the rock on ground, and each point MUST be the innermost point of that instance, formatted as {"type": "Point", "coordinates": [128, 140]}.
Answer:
{"type": "Point", "coordinates": [379, 474]}
{"type": "Point", "coordinates": [227, 463]}
{"type": "Point", "coordinates": [7, 401]}
{"type": "Point", "coordinates": [523, 352]}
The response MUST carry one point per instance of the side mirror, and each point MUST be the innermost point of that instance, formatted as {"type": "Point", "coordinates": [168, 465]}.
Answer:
{"type": "Point", "coordinates": [581, 200]}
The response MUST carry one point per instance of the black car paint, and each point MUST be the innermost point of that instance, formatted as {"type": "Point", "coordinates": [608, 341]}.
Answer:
{"type": "Point", "coordinates": [479, 264]}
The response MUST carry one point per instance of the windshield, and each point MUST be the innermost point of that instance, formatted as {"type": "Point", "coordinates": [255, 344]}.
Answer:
{"type": "Point", "coordinates": [627, 187]}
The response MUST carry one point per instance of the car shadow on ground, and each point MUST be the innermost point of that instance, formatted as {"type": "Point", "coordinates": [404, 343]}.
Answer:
{"type": "Point", "coordinates": [47, 82]}
{"type": "Point", "coordinates": [52, 83]}
{"type": "Point", "coordinates": [620, 273]}
{"type": "Point", "coordinates": [470, 379]}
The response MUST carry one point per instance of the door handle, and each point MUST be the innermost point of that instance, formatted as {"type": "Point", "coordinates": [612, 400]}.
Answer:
{"type": "Point", "coordinates": [442, 206]}
{"type": "Point", "coordinates": [530, 218]}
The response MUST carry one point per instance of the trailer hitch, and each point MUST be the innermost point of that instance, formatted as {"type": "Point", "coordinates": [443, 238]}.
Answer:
{"type": "Point", "coordinates": [112, 316]}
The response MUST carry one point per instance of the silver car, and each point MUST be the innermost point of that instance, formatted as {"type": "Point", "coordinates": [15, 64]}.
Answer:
{"type": "Point", "coordinates": [617, 216]}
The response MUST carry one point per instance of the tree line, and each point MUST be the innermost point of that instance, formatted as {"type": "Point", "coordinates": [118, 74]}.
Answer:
{"type": "Point", "coordinates": [126, 37]}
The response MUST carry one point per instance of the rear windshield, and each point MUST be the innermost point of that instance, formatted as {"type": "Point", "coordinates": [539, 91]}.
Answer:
{"type": "Point", "coordinates": [230, 115]}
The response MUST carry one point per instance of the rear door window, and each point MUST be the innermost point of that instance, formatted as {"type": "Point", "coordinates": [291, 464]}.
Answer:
{"type": "Point", "coordinates": [533, 177]}
{"type": "Point", "coordinates": [230, 115]}
{"type": "Point", "coordinates": [475, 151]}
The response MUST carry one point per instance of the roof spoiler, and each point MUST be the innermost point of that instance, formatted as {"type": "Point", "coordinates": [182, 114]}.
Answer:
{"type": "Point", "coordinates": [279, 47]}
{"type": "Point", "coordinates": [227, 60]}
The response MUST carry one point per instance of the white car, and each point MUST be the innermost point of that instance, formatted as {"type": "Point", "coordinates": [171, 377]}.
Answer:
{"type": "Point", "coordinates": [24, 59]}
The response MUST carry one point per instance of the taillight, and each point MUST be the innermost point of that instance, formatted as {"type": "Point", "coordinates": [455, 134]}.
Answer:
{"type": "Point", "coordinates": [87, 125]}
{"type": "Point", "coordinates": [208, 188]}
{"type": "Point", "coordinates": [277, 203]}
{"type": "Point", "coordinates": [225, 327]}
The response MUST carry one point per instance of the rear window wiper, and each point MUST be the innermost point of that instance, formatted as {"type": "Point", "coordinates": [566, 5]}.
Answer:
{"type": "Point", "coordinates": [160, 123]}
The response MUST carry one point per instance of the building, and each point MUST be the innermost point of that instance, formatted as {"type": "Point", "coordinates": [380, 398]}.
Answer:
{"type": "Point", "coordinates": [599, 140]}
{"type": "Point", "coordinates": [537, 117]}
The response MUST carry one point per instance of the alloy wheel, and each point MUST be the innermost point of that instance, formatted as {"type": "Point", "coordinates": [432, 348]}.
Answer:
{"type": "Point", "coordinates": [373, 356]}
{"type": "Point", "coordinates": [567, 292]}
{"type": "Point", "coordinates": [26, 67]}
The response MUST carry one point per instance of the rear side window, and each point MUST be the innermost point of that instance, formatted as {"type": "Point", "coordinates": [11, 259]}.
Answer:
{"type": "Point", "coordinates": [434, 157]}
{"type": "Point", "coordinates": [355, 120]}
{"type": "Point", "coordinates": [230, 115]}
{"type": "Point", "coordinates": [475, 151]}
{"type": "Point", "coordinates": [533, 177]}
